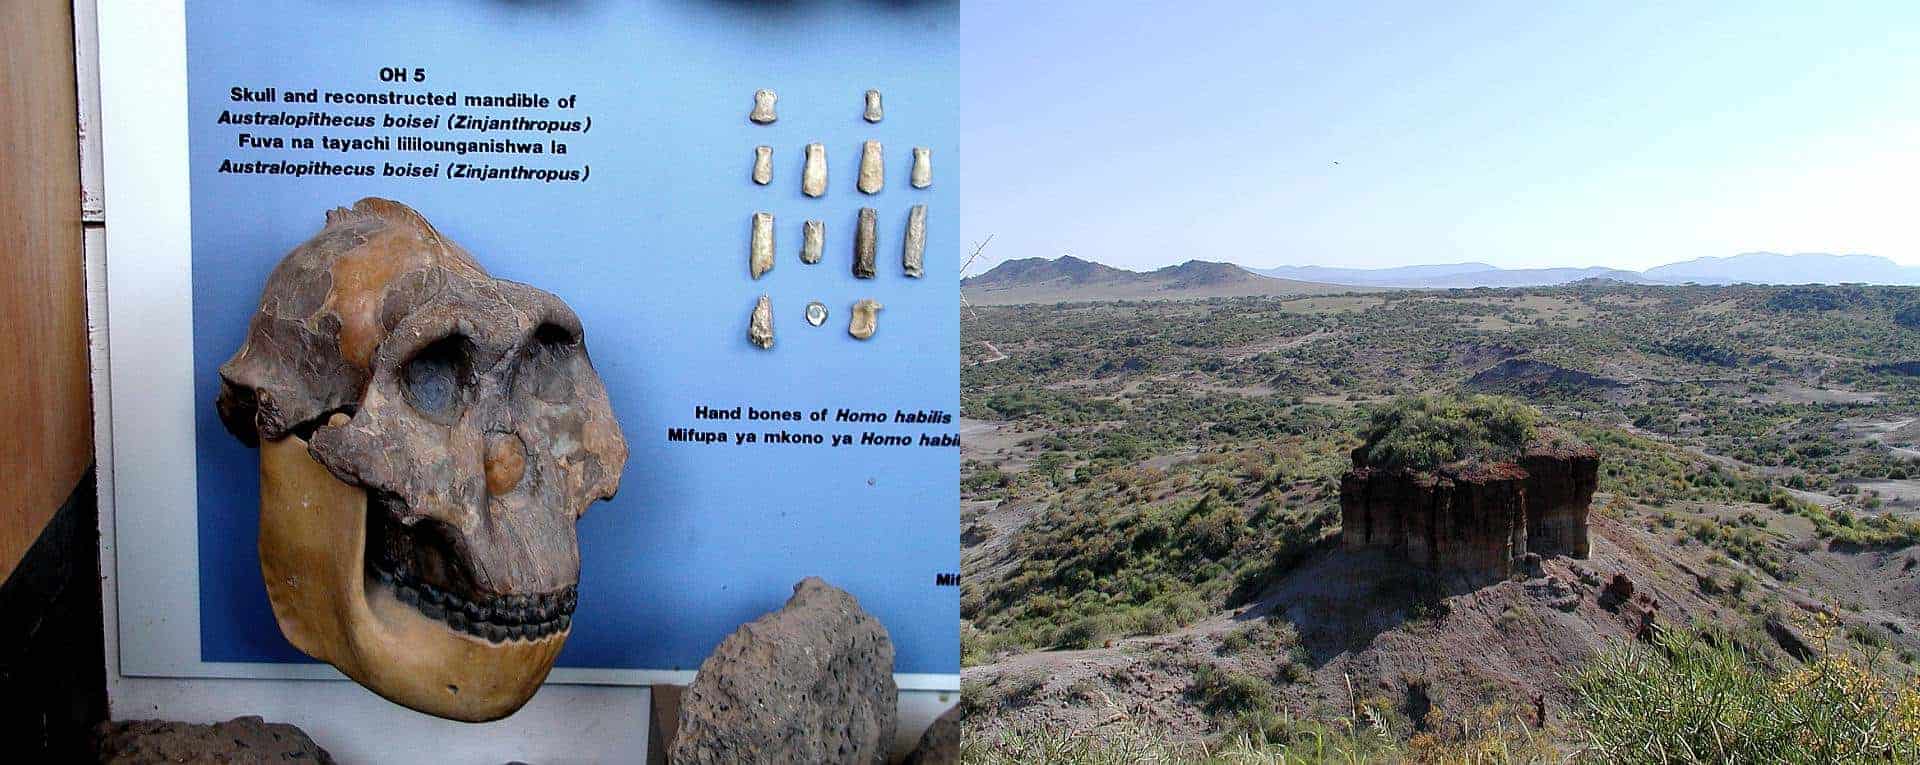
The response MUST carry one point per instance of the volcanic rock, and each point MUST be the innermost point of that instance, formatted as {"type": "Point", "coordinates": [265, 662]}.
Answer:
{"type": "Point", "coordinates": [242, 739]}
{"type": "Point", "coordinates": [812, 682]}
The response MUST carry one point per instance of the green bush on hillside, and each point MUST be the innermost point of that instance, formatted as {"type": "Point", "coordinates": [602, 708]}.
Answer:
{"type": "Point", "coordinates": [1427, 431]}
{"type": "Point", "coordinates": [1696, 697]}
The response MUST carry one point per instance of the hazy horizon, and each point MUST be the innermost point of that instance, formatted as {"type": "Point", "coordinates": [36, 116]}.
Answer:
{"type": "Point", "coordinates": [1519, 136]}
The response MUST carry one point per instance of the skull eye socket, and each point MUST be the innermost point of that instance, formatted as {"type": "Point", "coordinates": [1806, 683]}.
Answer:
{"type": "Point", "coordinates": [547, 372]}
{"type": "Point", "coordinates": [436, 378]}
{"type": "Point", "coordinates": [553, 337]}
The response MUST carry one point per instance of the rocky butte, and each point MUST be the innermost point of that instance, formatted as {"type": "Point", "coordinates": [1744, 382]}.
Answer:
{"type": "Point", "coordinates": [1474, 517]}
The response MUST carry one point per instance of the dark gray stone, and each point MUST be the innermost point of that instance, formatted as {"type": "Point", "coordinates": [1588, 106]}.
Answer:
{"type": "Point", "coordinates": [940, 745]}
{"type": "Point", "coordinates": [812, 682]}
{"type": "Point", "coordinates": [240, 740]}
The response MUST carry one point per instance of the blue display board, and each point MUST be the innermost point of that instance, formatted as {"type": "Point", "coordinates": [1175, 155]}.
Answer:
{"type": "Point", "coordinates": [642, 226]}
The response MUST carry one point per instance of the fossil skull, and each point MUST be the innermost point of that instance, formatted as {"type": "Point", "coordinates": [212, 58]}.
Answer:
{"type": "Point", "coordinates": [429, 435]}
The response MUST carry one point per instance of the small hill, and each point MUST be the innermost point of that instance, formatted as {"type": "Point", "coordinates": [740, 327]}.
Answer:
{"type": "Point", "coordinates": [1071, 279]}
{"type": "Point", "coordinates": [1064, 271]}
{"type": "Point", "coordinates": [1775, 268]}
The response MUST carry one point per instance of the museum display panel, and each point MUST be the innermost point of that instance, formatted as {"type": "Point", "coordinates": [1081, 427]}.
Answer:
{"type": "Point", "coordinates": [624, 158]}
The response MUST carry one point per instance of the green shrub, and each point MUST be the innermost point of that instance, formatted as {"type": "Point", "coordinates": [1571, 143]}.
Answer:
{"type": "Point", "coordinates": [1427, 431]}
{"type": "Point", "coordinates": [1224, 691]}
{"type": "Point", "coordinates": [1694, 697]}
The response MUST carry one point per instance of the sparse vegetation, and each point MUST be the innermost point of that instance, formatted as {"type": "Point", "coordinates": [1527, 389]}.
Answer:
{"type": "Point", "coordinates": [1151, 464]}
{"type": "Point", "coordinates": [1428, 431]}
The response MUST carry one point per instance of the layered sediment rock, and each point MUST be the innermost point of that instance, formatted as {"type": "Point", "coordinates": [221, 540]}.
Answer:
{"type": "Point", "coordinates": [1561, 478]}
{"type": "Point", "coordinates": [1474, 518]}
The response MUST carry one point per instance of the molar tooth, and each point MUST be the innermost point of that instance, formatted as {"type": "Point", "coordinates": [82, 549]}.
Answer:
{"type": "Point", "coordinates": [913, 251]}
{"type": "Point", "coordinates": [760, 256]}
{"type": "Point", "coordinates": [862, 324]}
{"type": "Point", "coordinates": [565, 622]}
{"type": "Point", "coordinates": [763, 101]}
{"type": "Point", "coordinates": [873, 173]}
{"type": "Point", "coordinates": [813, 176]}
{"type": "Point", "coordinates": [874, 113]}
{"type": "Point", "coordinates": [922, 167]}
{"type": "Point", "coordinates": [760, 326]}
{"type": "Point", "coordinates": [495, 632]}
{"type": "Point", "coordinates": [816, 313]}
{"type": "Point", "coordinates": [458, 620]}
{"type": "Point", "coordinates": [433, 611]}
{"type": "Point", "coordinates": [407, 595]}
{"type": "Point", "coordinates": [863, 243]}
{"type": "Point", "coordinates": [763, 165]}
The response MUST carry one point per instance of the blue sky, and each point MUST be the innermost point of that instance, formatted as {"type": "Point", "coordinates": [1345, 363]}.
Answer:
{"type": "Point", "coordinates": [1518, 134]}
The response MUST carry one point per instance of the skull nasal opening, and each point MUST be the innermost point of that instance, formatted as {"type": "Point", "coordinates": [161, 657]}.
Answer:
{"type": "Point", "coordinates": [506, 462]}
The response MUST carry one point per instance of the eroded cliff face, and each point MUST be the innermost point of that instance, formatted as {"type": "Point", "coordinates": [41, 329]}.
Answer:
{"type": "Point", "coordinates": [1474, 519]}
{"type": "Point", "coordinates": [1560, 483]}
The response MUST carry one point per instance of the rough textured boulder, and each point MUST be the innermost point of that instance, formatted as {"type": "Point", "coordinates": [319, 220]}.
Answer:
{"type": "Point", "coordinates": [240, 740]}
{"type": "Point", "coordinates": [940, 745]}
{"type": "Point", "coordinates": [812, 682]}
{"type": "Point", "coordinates": [1474, 518]}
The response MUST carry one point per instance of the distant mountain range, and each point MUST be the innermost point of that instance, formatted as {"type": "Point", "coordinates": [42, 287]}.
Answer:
{"type": "Point", "coordinates": [1448, 275]}
{"type": "Point", "coordinates": [1774, 268]}
{"type": "Point", "coordinates": [1067, 278]}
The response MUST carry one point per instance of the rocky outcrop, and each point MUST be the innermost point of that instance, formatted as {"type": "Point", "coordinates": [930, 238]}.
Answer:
{"type": "Point", "coordinates": [1474, 518]}
{"type": "Point", "coordinates": [812, 682]}
{"type": "Point", "coordinates": [1561, 478]}
{"type": "Point", "coordinates": [1527, 375]}
{"type": "Point", "coordinates": [242, 739]}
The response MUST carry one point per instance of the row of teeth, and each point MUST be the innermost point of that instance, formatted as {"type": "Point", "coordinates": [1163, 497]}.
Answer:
{"type": "Point", "coordinates": [501, 618]}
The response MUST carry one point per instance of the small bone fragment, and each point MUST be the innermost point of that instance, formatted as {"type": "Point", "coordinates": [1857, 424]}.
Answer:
{"type": "Point", "coordinates": [816, 313]}
{"type": "Point", "coordinates": [922, 167]}
{"type": "Point", "coordinates": [863, 243]}
{"type": "Point", "coordinates": [760, 260]}
{"type": "Point", "coordinates": [763, 165]}
{"type": "Point", "coordinates": [914, 249]}
{"type": "Point", "coordinates": [763, 106]}
{"type": "Point", "coordinates": [861, 326]}
{"type": "Point", "coordinates": [873, 106]}
{"type": "Point", "coordinates": [872, 168]}
{"type": "Point", "coordinates": [760, 327]}
{"type": "Point", "coordinates": [814, 233]}
{"type": "Point", "coordinates": [813, 178]}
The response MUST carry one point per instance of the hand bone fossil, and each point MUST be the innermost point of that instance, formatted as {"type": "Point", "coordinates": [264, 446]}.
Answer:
{"type": "Point", "coordinates": [873, 107]}
{"type": "Point", "coordinates": [763, 165]}
{"type": "Point", "coordinates": [428, 436]}
{"type": "Point", "coordinates": [913, 249]}
{"type": "Point", "coordinates": [760, 249]}
{"type": "Point", "coordinates": [813, 175]}
{"type": "Point", "coordinates": [763, 101]}
{"type": "Point", "coordinates": [760, 325]}
{"type": "Point", "coordinates": [922, 167]}
{"type": "Point", "coordinates": [813, 236]}
{"type": "Point", "coordinates": [864, 246]}
{"type": "Point", "coordinates": [873, 173]}
{"type": "Point", "coordinates": [865, 312]}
